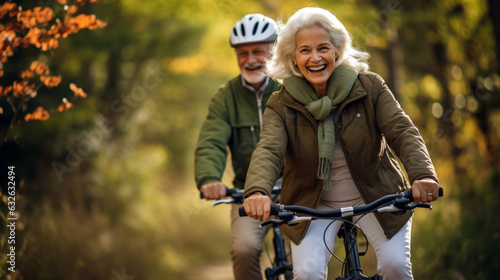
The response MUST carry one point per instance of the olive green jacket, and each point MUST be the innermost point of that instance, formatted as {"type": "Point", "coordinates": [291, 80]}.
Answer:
{"type": "Point", "coordinates": [232, 122]}
{"type": "Point", "coordinates": [371, 128]}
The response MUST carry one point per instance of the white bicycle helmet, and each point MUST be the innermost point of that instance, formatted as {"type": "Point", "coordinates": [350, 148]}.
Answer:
{"type": "Point", "coordinates": [253, 28]}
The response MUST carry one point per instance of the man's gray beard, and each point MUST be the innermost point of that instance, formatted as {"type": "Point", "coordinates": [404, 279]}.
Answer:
{"type": "Point", "coordinates": [255, 80]}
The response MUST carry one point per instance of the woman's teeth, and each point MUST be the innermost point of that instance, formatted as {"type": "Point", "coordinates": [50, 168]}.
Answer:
{"type": "Point", "coordinates": [316, 68]}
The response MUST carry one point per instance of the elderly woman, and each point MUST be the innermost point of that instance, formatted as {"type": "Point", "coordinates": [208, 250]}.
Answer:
{"type": "Point", "coordinates": [336, 128]}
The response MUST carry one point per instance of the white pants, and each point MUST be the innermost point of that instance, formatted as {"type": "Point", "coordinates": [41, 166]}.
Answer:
{"type": "Point", "coordinates": [310, 257]}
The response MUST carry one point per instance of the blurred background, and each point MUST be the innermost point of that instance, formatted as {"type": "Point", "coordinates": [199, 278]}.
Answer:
{"type": "Point", "coordinates": [105, 190]}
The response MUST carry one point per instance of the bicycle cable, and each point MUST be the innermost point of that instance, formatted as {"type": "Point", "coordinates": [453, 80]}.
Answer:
{"type": "Point", "coordinates": [326, 245]}
{"type": "Point", "coordinates": [347, 253]}
{"type": "Point", "coordinates": [366, 238]}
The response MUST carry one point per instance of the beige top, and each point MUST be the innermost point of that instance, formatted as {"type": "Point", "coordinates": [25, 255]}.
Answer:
{"type": "Point", "coordinates": [343, 192]}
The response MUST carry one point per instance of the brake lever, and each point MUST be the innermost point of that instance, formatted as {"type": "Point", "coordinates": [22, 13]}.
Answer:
{"type": "Point", "coordinates": [284, 218]}
{"type": "Point", "coordinates": [418, 205]}
{"type": "Point", "coordinates": [272, 221]}
{"type": "Point", "coordinates": [221, 201]}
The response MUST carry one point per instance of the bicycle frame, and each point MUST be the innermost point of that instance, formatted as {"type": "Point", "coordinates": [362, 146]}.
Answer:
{"type": "Point", "coordinates": [348, 232]}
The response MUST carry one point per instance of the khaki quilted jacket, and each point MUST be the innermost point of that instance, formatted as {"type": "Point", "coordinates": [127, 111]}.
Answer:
{"type": "Point", "coordinates": [371, 128]}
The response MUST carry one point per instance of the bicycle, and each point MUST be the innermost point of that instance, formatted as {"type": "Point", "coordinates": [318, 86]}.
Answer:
{"type": "Point", "coordinates": [280, 266]}
{"type": "Point", "coordinates": [396, 203]}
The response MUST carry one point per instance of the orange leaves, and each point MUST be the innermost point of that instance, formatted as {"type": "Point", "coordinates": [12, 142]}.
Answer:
{"type": "Point", "coordinates": [38, 114]}
{"type": "Point", "coordinates": [8, 42]}
{"type": "Point", "coordinates": [84, 1]}
{"type": "Point", "coordinates": [22, 88]}
{"type": "Point", "coordinates": [41, 39]}
{"type": "Point", "coordinates": [78, 91]}
{"type": "Point", "coordinates": [42, 27]}
{"type": "Point", "coordinates": [8, 8]}
{"type": "Point", "coordinates": [86, 21]}
{"type": "Point", "coordinates": [39, 68]}
{"type": "Point", "coordinates": [72, 25]}
{"type": "Point", "coordinates": [8, 31]}
{"type": "Point", "coordinates": [65, 106]}
{"type": "Point", "coordinates": [26, 89]}
{"type": "Point", "coordinates": [43, 71]}
{"type": "Point", "coordinates": [39, 28]}
{"type": "Point", "coordinates": [5, 91]}
{"type": "Point", "coordinates": [27, 74]}
{"type": "Point", "coordinates": [51, 81]}
{"type": "Point", "coordinates": [35, 17]}
{"type": "Point", "coordinates": [72, 9]}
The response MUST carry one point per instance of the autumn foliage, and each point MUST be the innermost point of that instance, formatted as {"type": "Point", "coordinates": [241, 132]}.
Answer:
{"type": "Point", "coordinates": [42, 28]}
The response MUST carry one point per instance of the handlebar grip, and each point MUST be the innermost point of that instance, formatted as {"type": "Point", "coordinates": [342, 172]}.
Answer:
{"type": "Point", "coordinates": [242, 212]}
{"type": "Point", "coordinates": [229, 192]}
{"type": "Point", "coordinates": [275, 210]}
{"type": "Point", "coordinates": [408, 194]}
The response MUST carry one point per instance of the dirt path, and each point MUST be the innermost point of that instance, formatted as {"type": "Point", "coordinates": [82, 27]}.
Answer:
{"type": "Point", "coordinates": [213, 271]}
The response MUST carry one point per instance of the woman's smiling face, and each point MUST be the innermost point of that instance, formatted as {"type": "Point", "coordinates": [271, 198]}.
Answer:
{"type": "Point", "coordinates": [315, 56]}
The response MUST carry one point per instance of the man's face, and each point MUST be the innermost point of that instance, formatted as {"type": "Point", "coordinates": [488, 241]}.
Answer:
{"type": "Point", "coordinates": [251, 58]}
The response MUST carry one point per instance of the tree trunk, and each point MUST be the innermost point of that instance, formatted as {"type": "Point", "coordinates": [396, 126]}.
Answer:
{"type": "Point", "coordinates": [494, 13]}
{"type": "Point", "coordinates": [392, 53]}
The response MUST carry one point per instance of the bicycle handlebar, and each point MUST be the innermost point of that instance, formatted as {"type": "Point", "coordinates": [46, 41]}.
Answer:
{"type": "Point", "coordinates": [399, 202]}
{"type": "Point", "coordinates": [408, 194]}
{"type": "Point", "coordinates": [236, 195]}
{"type": "Point", "coordinates": [229, 192]}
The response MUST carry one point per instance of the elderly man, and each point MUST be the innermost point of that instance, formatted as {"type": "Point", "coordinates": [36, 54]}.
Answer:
{"type": "Point", "coordinates": [234, 121]}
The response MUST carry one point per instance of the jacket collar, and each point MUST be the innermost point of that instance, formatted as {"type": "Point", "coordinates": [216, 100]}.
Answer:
{"type": "Point", "coordinates": [357, 92]}
{"type": "Point", "coordinates": [252, 89]}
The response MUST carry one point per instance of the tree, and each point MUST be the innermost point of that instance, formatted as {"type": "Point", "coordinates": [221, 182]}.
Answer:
{"type": "Point", "coordinates": [29, 37]}
{"type": "Point", "coordinates": [42, 28]}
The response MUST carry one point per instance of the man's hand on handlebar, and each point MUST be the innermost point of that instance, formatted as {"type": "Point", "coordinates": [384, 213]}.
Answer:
{"type": "Point", "coordinates": [258, 206]}
{"type": "Point", "coordinates": [214, 191]}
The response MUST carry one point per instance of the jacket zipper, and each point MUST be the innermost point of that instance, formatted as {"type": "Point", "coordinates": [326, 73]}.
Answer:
{"type": "Point", "coordinates": [258, 98]}
{"type": "Point", "coordinates": [259, 107]}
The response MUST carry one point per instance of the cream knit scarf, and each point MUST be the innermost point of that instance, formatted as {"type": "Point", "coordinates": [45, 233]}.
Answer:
{"type": "Point", "coordinates": [339, 86]}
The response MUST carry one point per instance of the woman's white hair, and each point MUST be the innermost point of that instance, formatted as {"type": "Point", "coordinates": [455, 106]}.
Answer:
{"type": "Point", "coordinates": [281, 65]}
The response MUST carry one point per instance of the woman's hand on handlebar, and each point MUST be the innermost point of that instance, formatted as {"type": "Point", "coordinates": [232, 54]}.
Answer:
{"type": "Point", "coordinates": [258, 206]}
{"type": "Point", "coordinates": [214, 191]}
{"type": "Point", "coordinates": [425, 190]}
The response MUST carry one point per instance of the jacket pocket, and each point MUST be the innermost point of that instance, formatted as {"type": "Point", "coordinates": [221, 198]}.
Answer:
{"type": "Point", "coordinates": [242, 143]}
{"type": "Point", "coordinates": [390, 172]}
